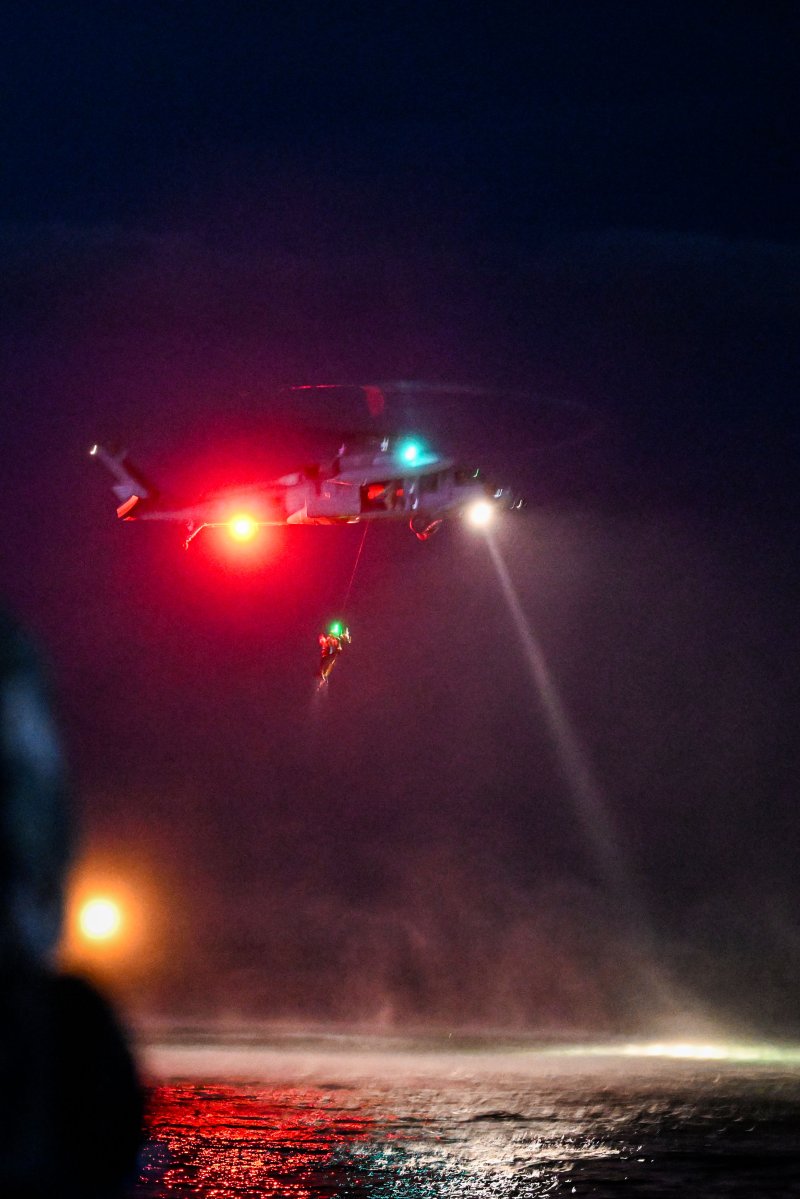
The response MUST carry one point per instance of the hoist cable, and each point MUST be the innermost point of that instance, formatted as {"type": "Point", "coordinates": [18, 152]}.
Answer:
{"type": "Point", "coordinates": [355, 567]}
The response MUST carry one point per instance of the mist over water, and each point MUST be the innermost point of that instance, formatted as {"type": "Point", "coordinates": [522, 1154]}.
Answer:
{"type": "Point", "coordinates": [368, 1117]}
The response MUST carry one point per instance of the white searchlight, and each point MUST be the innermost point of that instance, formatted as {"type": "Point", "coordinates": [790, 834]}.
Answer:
{"type": "Point", "coordinates": [480, 513]}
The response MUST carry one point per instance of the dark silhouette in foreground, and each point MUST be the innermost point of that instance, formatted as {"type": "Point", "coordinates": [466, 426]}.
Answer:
{"type": "Point", "coordinates": [70, 1121]}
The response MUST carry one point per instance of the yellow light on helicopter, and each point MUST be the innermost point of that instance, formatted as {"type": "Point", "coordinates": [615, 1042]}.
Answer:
{"type": "Point", "coordinates": [242, 527]}
{"type": "Point", "coordinates": [100, 919]}
{"type": "Point", "coordinates": [480, 513]}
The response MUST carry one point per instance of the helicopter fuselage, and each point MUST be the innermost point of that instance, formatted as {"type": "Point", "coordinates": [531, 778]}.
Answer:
{"type": "Point", "coordinates": [350, 488]}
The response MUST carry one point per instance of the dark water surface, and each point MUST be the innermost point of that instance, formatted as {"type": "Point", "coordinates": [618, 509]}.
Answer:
{"type": "Point", "coordinates": [468, 1125]}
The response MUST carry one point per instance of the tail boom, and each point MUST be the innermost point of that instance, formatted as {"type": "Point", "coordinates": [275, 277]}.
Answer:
{"type": "Point", "coordinates": [131, 488]}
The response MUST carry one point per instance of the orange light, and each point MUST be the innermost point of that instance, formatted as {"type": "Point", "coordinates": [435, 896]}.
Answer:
{"type": "Point", "coordinates": [242, 527]}
{"type": "Point", "coordinates": [100, 919]}
{"type": "Point", "coordinates": [118, 924]}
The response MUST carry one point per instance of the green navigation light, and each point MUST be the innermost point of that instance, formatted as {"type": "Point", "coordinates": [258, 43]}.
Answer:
{"type": "Point", "coordinates": [410, 452]}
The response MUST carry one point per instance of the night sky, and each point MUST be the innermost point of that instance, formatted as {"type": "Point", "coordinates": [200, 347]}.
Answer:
{"type": "Point", "coordinates": [573, 228]}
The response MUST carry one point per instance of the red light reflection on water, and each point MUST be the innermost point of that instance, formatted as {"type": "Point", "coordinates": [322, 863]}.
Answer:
{"type": "Point", "coordinates": [239, 1142]}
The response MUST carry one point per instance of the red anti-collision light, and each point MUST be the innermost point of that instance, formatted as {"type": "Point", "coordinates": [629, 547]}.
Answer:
{"type": "Point", "coordinates": [242, 527]}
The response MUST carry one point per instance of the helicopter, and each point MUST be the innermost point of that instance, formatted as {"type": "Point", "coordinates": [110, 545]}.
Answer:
{"type": "Point", "coordinates": [375, 479]}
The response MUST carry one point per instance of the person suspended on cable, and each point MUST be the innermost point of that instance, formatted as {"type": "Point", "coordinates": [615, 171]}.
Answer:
{"type": "Point", "coordinates": [331, 645]}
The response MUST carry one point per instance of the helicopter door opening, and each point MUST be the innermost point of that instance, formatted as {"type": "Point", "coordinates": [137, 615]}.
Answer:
{"type": "Point", "coordinates": [383, 496]}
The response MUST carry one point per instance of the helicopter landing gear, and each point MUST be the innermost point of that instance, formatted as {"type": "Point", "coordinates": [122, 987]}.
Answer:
{"type": "Point", "coordinates": [423, 527]}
